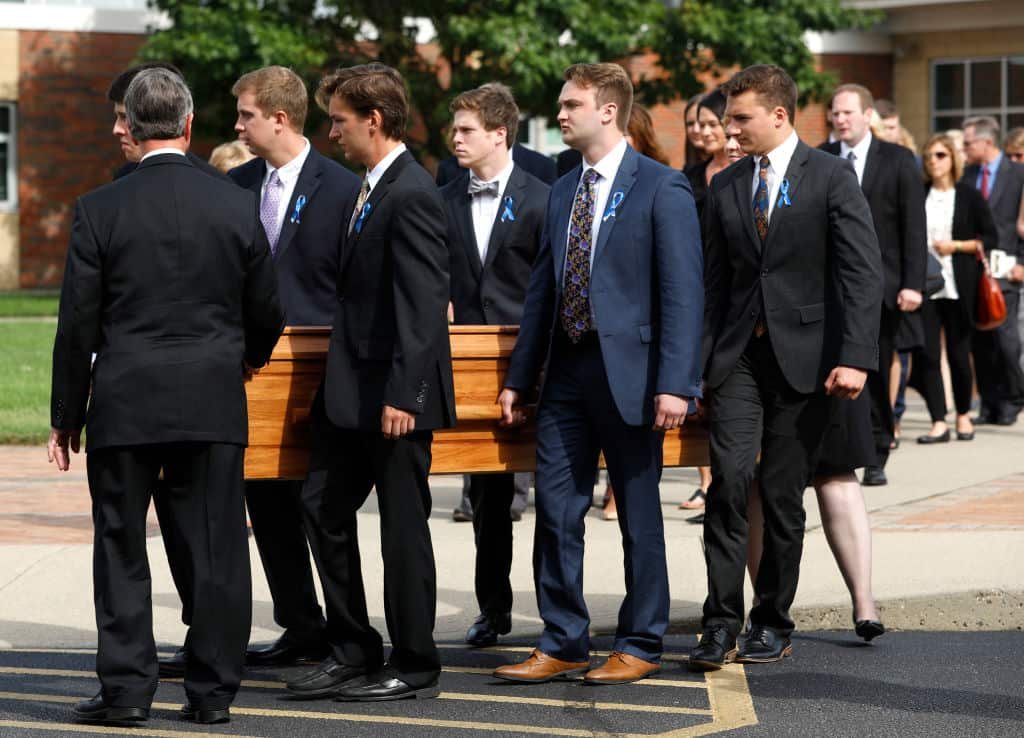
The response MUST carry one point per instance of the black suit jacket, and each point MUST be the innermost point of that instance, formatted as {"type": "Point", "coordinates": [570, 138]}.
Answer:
{"type": "Point", "coordinates": [892, 185]}
{"type": "Point", "coordinates": [1004, 203]}
{"type": "Point", "coordinates": [389, 345]}
{"type": "Point", "coordinates": [816, 281]}
{"type": "Point", "coordinates": [493, 292]}
{"type": "Point", "coordinates": [169, 281]}
{"type": "Point", "coordinates": [540, 166]}
{"type": "Point", "coordinates": [309, 247]}
{"type": "Point", "coordinates": [197, 161]}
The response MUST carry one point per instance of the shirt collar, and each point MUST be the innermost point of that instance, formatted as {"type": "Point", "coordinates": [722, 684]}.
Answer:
{"type": "Point", "coordinates": [860, 150]}
{"type": "Point", "coordinates": [781, 154]}
{"type": "Point", "coordinates": [993, 166]}
{"type": "Point", "coordinates": [502, 179]}
{"type": "Point", "coordinates": [290, 171]}
{"type": "Point", "coordinates": [159, 152]}
{"type": "Point", "coordinates": [608, 167]}
{"type": "Point", "coordinates": [373, 176]}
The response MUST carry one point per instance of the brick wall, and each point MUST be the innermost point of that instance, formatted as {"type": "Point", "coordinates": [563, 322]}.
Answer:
{"type": "Point", "coordinates": [64, 143]}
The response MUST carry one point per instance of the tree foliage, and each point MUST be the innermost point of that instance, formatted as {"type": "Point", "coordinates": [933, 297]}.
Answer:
{"type": "Point", "coordinates": [524, 43]}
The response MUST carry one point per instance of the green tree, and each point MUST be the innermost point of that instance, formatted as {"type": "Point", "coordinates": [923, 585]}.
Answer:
{"type": "Point", "coordinates": [524, 43]}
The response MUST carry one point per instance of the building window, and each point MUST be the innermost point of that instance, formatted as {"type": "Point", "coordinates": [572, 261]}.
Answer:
{"type": "Point", "coordinates": [985, 86]}
{"type": "Point", "coordinates": [8, 170]}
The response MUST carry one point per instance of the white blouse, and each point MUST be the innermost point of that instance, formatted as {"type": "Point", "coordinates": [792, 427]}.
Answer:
{"type": "Point", "coordinates": [939, 210]}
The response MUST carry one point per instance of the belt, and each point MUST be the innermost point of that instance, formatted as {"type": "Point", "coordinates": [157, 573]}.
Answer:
{"type": "Point", "coordinates": [589, 339]}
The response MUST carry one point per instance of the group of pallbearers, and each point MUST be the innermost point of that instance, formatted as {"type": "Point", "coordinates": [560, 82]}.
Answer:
{"type": "Point", "coordinates": [178, 284]}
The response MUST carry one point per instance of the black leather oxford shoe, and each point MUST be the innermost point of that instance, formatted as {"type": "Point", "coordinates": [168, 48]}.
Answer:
{"type": "Point", "coordinates": [764, 645]}
{"type": "Point", "coordinates": [325, 680]}
{"type": "Point", "coordinates": [287, 650]}
{"type": "Point", "coordinates": [382, 687]}
{"type": "Point", "coordinates": [487, 627]}
{"type": "Point", "coordinates": [717, 647]}
{"type": "Point", "coordinates": [203, 716]}
{"type": "Point", "coordinates": [99, 710]}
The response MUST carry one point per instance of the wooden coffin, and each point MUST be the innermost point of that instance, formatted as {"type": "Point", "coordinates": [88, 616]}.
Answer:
{"type": "Point", "coordinates": [281, 394]}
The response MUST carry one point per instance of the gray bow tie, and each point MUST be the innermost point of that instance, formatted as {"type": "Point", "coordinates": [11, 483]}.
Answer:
{"type": "Point", "coordinates": [479, 187]}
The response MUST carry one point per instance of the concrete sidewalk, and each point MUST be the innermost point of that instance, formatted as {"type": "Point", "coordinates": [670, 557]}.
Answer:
{"type": "Point", "coordinates": [948, 551]}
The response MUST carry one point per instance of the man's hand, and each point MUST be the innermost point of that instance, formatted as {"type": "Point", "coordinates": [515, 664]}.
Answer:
{"type": "Point", "coordinates": [248, 372]}
{"type": "Point", "coordinates": [1016, 273]}
{"type": "Point", "coordinates": [908, 300]}
{"type": "Point", "coordinates": [395, 423]}
{"type": "Point", "coordinates": [669, 412]}
{"type": "Point", "coordinates": [845, 382]}
{"type": "Point", "coordinates": [57, 446]}
{"type": "Point", "coordinates": [511, 414]}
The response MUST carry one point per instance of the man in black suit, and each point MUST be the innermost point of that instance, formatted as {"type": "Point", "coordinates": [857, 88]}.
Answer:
{"type": "Point", "coordinates": [303, 200]}
{"type": "Point", "coordinates": [129, 146]}
{"type": "Point", "coordinates": [540, 166]}
{"type": "Point", "coordinates": [495, 218]}
{"type": "Point", "coordinates": [387, 387]}
{"type": "Point", "coordinates": [891, 181]}
{"type": "Point", "coordinates": [997, 352]}
{"type": "Point", "coordinates": [793, 284]}
{"type": "Point", "coordinates": [169, 283]}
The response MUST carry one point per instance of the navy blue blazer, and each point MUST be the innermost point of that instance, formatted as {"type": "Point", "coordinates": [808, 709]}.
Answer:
{"type": "Point", "coordinates": [646, 286]}
{"type": "Point", "coordinates": [309, 247]}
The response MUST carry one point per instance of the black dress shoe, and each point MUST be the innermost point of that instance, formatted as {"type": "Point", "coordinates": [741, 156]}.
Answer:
{"type": "Point", "coordinates": [984, 418]}
{"type": "Point", "coordinates": [874, 476]}
{"type": "Point", "coordinates": [941, 438]}
{"type": "Point", "coordinates": [487, 627]}
{"type": "Point", "coordinates": [969, 436]}
{"type": "Point", "coordinates": [173, 667]}
{"type": "Point", "coordinates": [325, 680]}
{"type": "Point", "coordinates": [764, 645]}
{"type": "Point", "coordinates": [287, 650]}
{"type": "Point", "coordinates": [868, 629]}
{"type": "Point", "coordinates": [1006, 419]}
{"type": "Point", "coordinates": [717, 647]}
{"type": "Point", "coordinates": [205, 717]}
{"type": "Point", "coordinates": [97, 709]}
{"type": "Point", "coordinates": [382, 688]}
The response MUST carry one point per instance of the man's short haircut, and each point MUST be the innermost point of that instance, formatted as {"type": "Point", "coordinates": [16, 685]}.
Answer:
{"type": "Point", "coordinates": [117, 89]}
{"type": "Point", "coordinates": [276, 88]}
{"type": "Point", "coordinates": [867, 100]}
{"type": "Point", "coordinates": [985, 126]}
{"type": "Point", "coordinates": [611, 85]}
{"type": "Point", "coordinates": [495, 106]}
{"type": "Point", "coordinates": [886, 109]}
{"type": "Point", "coordinates": [773, 87]}
{"type": "Point", "coordinates": [157, 104]}
{"type": "Point", "coordinates": [369, 87]}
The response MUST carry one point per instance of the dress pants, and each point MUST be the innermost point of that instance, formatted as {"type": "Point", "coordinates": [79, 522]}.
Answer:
{"type": "Point", "coordinates": [997, 363]}
{"type": "Point", "coordinates": [345, 466]}
{"type": "Point", "coordinates": [490, 497]}
{"type": "Point", "coordinates": [202, 491]}
{"type": "Point", "coordinates": [949, 315]}
{"type": "Point", "coordinates": [755, 409]}
{"type": "Point", "coordinates": [576, 419]}
{"type": "Point", "coordinates": [275, 511]}
{"type": "Point", "coordinates": [883, 424]}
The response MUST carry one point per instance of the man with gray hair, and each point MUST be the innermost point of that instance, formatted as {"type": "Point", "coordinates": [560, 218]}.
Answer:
{"type": "Point", "coordinates": [169, 282]}
{"type": "Point", "coordinates": [997, 352]}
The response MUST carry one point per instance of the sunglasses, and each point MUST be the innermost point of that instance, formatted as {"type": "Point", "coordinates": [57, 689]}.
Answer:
{"type": "Point", "coordinates": [937, 155]}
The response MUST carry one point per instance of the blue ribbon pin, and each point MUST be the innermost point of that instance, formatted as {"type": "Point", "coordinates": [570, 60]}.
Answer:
{"type": "Point", "coordinates": [299, 204]}
{"type": "Point", "coordinates": [507, 213]}
{"type": "Point", "coordinates": [362, 216]}
{"type": "Point", "coordinates": [617, 199]}
{"type": "Point", "coordinates": [784, 201]}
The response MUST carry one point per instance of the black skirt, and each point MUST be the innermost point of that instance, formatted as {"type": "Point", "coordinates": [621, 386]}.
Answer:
{"type": "Point", "coordinates": [849, 443]}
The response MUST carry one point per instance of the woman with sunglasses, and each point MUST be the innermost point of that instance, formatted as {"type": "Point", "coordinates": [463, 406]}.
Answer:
{"type": "Point", "coordinates": [959, 224]}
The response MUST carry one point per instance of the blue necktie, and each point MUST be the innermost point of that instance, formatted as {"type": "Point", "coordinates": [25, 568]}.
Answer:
{"type": "Point", "coordinates": [761, 199]}
{"type": "Point", "coordinates": [575, 315]}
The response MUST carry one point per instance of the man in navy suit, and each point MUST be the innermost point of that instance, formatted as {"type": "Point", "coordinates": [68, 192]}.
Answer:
{"type": "Point", "coordinates": [303, 200]}
{"type": "Point", "coordinates": [613, 315]}
{"type": "Point", "coordinates": [495, 220]}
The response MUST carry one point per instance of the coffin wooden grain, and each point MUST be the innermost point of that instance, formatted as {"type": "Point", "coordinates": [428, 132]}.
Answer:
{"type": "Point", "coordinates": [280, 396]}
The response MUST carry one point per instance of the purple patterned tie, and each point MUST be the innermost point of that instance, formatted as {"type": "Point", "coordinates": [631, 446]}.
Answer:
{"type": "Point", "coordinates": [576, 289]}
{"type": "Point", "coordinates": [268, 210]}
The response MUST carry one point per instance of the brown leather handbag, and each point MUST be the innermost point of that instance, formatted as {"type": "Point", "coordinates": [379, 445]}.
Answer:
{"type": "Point", "coordinates": [991, 305]}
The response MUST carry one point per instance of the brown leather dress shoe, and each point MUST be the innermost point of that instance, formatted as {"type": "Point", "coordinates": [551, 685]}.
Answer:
{"type": "Point", "coordinates": [541, 668]}
{"type": "Point", "coordinates": [621, 668]}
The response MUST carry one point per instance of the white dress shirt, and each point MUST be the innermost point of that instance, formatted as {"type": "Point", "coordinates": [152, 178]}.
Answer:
{"type": "Point", "coordinates": [158, 152]}
{"type": "Point", "coordinates": [607, 168]}
{"type": "Point", "coordinates": [484, 209]}
{"type": "Point", "coordinates": [860, 155]}
{"type": "Point", "coordinates": [288, 176]}
{"type": "Point", "coordinates": [373, 176]}
{"type": "Point", "coordinates": [779, 162]}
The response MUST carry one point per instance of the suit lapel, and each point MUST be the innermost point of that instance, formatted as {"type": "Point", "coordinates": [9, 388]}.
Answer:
{"type": "Point", "coordinates": [502, 228]}
{"type": "Point", "coordinates": [1002, 175]}
{"type": "Point", "coordinates": [463, 203]}
{"type": "Point", "coordinates": [743, 189]}
{"type": "Point", "coordinates": [377, 194]}
{"type": "Point", "coordinates": [305, 186]}
{"type": "Point", "coordinates": [871, 167]}
{"type": "Point", "coordinates": [560, 231]}
{"type": "Point", "coordinates": [794, 173]}
{"type": "Point", "coordinates": [624, 180]}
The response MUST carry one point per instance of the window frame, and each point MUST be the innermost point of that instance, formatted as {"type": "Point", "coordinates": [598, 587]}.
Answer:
{"type": "Point", "coordinates": [1000, 113]}
{"type": "Point", "coordinates": [10, 138]}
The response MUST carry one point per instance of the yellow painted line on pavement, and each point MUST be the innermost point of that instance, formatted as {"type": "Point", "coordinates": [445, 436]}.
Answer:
{"type": "Point", "coordinates": [74, 651]}
{"type": "Point", "coordinates": [112, 730]}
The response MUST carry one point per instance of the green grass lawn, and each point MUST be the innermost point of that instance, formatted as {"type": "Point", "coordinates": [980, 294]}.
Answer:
{"type": "Point", "coordinates": [25, 380]}
{"type": "Point", "coordinates": [28, 303]}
